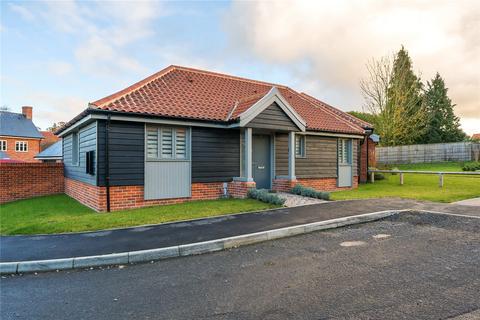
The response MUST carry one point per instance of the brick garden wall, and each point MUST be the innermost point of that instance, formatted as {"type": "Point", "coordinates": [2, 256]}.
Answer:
{"type": "Point", "coordinates": [26, 180]}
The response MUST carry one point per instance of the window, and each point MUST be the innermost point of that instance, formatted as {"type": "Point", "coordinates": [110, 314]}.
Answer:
{"type": "Point", "coordinates": [89, 165]}
{"type": "Point", "coordinates": [75, 147]}
{"type": "Point", "coordinates": [21, 146]}
{"type": "Point", "coordinates": [3, 145]}
{"type": "Point", "coordinates": [167, 143]}
{"type": "Point", "coordinates": [300, 146]}
{"type": "Point", "coordinates": [344, 151]}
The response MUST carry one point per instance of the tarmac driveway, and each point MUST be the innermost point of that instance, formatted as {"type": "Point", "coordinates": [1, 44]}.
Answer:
{"type": "Point", "coordinates": [411, 266]}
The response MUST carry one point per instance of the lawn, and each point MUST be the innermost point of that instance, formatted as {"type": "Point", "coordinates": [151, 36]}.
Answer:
{"type": "Point", "coordinates": [419, 186]}
{"type": "Point", "coordinates": [60, 213]}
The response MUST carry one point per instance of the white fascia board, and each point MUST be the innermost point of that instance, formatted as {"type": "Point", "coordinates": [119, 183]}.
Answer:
{"type": "Point", "coordinates": [328, 134]}
{"type": "Point", "coordinates": [85, 120]}
{"type": "Point", "coordinates": [272, 96]}
{"type": "Point", "coordinates": [163, 121]}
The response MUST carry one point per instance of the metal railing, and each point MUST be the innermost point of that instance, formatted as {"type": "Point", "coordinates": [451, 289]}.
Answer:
{"type": "Point", "coordinates": [439, 173]}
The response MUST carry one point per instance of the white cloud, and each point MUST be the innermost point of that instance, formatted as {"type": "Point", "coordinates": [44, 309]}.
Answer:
{"type": "Point", "coordinates": [105, 30]}
{"type": "Point", "coordinates": [470, 125]}
{"type": "Point", "coordinates": [22, 11]}
{"type": "Point", "coordinates": [59, 68]}
{"type": "Point", "coordinates": [337, 38]}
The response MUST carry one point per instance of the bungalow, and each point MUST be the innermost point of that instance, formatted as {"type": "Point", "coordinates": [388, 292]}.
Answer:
{"type": "Point", "coordinates": [185, 134]}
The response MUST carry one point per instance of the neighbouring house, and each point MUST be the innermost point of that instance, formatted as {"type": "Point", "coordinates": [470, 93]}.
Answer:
{"type": "Point", "coordinates": [19, 137]}
{"type": "Point", "coordinates": [51, 154]}
{"type": "Point", "coordinates": [49, 138]}
{"type": "Point", "coordinates": [185, 134]}
{"type": "Point", "coordinates": [476, 136]}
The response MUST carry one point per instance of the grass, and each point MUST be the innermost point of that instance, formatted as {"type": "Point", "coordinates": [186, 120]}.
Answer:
{"type": "Point", "coordinates": [60, 213]}
{"type": "Point", "coordinates": [418, 186]}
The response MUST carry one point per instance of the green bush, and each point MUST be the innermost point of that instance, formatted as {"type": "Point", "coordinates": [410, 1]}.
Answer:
{"type": "Point", "coordinates": [471, 166]}
{"type": "Point", "coordinates": [265, 196]}
{"type": "Point", "coordinates": [393, 173]}
{"type": "Point", "coordinates": [310, 192]}
{"type": "Point", "coordinates": [379, 176]}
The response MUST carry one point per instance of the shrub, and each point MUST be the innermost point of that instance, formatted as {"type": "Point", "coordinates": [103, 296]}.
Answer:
{"type": "Point", "coordinates": [379, 176]}
{"type": "Point", "coordinates": [310, 192]}
{"type": "Point", "coordinates": [265, 196]}
{"type": "Point", "coordinates": [471, 166]}
{"type": "Point", "coordinates": [393, 173]}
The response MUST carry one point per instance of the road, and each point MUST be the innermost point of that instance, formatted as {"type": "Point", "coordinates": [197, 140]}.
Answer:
{"type": "Point", "coordinates": [415, 266]}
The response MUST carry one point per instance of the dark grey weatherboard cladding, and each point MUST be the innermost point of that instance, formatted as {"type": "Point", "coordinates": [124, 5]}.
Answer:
{"type": "Point", "coordinates": [215, 154]}
{"type": "Point", "coordinates": [126, 153]}
{"type": "Point", "coordinates": [87, 138]}
{"type": "Point", "coordinates": [273, 117]}
{"type": "Point", "coordinates": [320, 160]}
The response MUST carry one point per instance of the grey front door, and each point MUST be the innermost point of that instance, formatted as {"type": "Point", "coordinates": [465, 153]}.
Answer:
{"type": "Point", "coordinates": [261, 161]}
{"type": "Point", "coordinates": [345, 163]}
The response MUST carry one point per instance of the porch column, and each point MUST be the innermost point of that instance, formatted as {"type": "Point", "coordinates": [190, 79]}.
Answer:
{"type": "Point", "coordinates": [291, 156]}
{"type": "Point", "coordinates": [248, 154]}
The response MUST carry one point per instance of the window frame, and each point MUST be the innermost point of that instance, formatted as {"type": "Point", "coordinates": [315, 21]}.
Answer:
{"type": "Point", "coordinates": [302, 139]}
{"type": "Point", "coordinates": [19, 143]}
{"type": "Point", "coordinates": [344, 151]}
{"type": "Point", "coordinates": [3, 145]}
{"type": "Point", "coordinates": [159, 133]}
{"type": "Point", "coordinates": [75, 161]}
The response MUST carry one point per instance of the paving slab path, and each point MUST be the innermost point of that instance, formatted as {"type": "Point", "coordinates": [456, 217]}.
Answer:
{"type": "Point", "coordinates": [43, 247]}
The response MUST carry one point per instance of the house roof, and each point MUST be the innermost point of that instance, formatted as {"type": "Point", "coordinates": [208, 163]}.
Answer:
{"type": "Point", "coordinates": [52, 152]}
{"type": "Point", "coordinates": [49, 138]}
{"type": "Point", "coordinates": [16, 125]}
{"type": "Point", "coordinates": [476, 136]}
{"type": "Point", "coordinates": [187, 93]}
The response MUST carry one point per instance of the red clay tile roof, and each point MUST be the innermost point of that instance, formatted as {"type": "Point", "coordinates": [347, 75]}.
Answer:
{"type": "Point", "coordinates": [196, 94]}
{"type": "Point", "coordinates": [49, 138]}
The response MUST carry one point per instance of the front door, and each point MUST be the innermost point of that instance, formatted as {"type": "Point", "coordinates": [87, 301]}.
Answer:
{"type": "Point", "coordinates": [345, 163]}
{"type": "Point", "coordinates": [261, 161]}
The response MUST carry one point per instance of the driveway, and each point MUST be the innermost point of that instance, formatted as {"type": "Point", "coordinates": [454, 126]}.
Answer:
{"type": "Point", "coordinates": [412, 266]}
{"type": "Point", "coordinates": [25, 248]}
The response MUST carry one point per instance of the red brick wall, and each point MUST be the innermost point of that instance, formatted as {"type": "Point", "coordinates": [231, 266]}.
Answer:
{"type": "Point", "coordinates": [26, 180]}
{"type": "Point", "coordinates": [372, 161]}
{"type": "Point", "coordinates": [239, 189]}
{"type": "Point", "coordinates": [33, 149]}
{"type": "Point", "coordinates": [127, 197]}
{"type": "Point", "coordinates": [87, 194]}
{"type": "Point", "coordinates": [320, 184]}
{"type": "Point", "coordinates": [283, 185]}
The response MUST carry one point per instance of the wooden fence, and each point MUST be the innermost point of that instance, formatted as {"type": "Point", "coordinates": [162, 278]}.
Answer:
{"type": "Point", "coordinates": [424, 153]}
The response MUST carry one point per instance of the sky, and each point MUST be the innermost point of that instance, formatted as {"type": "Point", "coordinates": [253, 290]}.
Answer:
{"type": "Point", "coordinates": [58, 56]}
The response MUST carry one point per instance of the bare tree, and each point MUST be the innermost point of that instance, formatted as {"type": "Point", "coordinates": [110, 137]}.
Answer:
{"type": "Point", "coordinates": [4, 108]}
{"type": "Point", "coordinates": [375, 93]}
{"type": "Point", "coordinates": [375, 86]}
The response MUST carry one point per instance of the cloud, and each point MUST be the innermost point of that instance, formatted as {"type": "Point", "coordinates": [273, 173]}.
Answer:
{"type": "Point", "coordinates": [105, 31]}
{"type": "Point", "coordinates": [59, 68]}
{"type": "Point", "coordinates": [335, 40]}
{"type": "Point", "coordinates": [49, 108]}
{"type": "Point", "coordinates": [22, 11]}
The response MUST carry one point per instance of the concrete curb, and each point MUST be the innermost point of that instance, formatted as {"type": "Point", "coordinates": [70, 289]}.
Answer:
{"type": "Point", "coordinates": [187, 249]}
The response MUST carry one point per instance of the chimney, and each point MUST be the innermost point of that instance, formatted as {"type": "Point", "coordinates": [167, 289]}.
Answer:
{"type": "Point", "coordinates": [27, 112]}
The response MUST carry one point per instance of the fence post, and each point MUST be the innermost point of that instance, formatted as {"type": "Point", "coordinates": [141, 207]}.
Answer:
{"type": "Point", "coordinates": [372, 177]}
{"type": "Point", "coordinates": [440, 180]}
{"type": "Point", "coordinates": [401, 178]}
